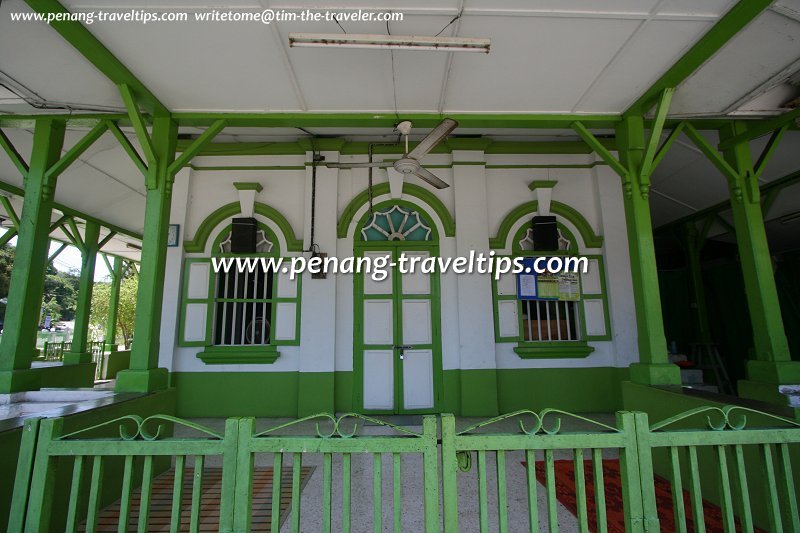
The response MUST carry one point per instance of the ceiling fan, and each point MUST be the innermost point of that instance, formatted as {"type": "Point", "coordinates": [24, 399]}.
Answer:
{"type": "Point", "coordinates": [409, 163]}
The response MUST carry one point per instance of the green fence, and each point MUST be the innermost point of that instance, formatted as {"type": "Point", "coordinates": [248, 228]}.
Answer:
{"type": "Point", "coordinates": [748, 472]}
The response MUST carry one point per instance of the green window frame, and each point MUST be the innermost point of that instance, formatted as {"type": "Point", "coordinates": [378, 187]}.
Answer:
{"type": "Point", "coordinates": [552, 349]}
{"type": "Point", "coordinates": [238, 353]}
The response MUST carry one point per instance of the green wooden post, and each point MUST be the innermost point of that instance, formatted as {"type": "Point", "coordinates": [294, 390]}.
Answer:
{"type": "Point", "coordinates": [30, 260]}
{"type": "Point", "coordinates": [692, 245]}
{"type": "Point", "coordinates": [113, 306]}
{"type": "Point", "coordinates": [78, 352]}
{"type": "Point", "coordinates": [144, 374]}
{"type": "Point", "coordinates": [772, 364]}
{"type": "Point", "coordinates": [653, 367]}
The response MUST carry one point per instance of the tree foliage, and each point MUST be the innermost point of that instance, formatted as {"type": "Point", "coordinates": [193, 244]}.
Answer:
{"type": "Point", "coordinates": [60, 297]}
{"type": "Point", "coordinates": [126, 313]}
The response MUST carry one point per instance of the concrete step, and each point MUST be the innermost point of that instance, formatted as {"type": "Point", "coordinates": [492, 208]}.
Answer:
{"type": "Point", "coordinates": [677, 357]}
{"type": "Point", "coordinates": [703, 386]}
{"type": "Point", "coordinates": [691, 376]}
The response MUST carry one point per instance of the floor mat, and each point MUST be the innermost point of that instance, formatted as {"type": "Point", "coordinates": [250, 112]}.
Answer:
{"type": "Point", "coordinates": [161, 501]}
{"type": "Point", "coordinates": [565, 493]}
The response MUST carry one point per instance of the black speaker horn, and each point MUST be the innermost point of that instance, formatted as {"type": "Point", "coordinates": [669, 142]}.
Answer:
{"type": "Point", "coordinates": [545, 233]}
{"type": "Point", "coordinates": [243, 235]}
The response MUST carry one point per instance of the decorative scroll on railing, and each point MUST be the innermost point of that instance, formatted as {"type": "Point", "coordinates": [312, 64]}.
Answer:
{"type": "Point", "coordinates": [524, 436]}
{"type": "Point", "coordinates": [746, 470]}
{"type": "Point", "coordinates": [727, 455]}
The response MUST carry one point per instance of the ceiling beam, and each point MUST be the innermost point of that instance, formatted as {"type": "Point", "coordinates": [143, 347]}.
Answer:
{"type": "Point", "coordinates": [723, 31]}
{"type": "Point", "coordinates": [770, 189]}
{"type": "Point", "coordinates": [70, 212]}
{"type": "Point", "coordinates": [759, 129]}
{"type": "Point", "coordinates": [98, 55]}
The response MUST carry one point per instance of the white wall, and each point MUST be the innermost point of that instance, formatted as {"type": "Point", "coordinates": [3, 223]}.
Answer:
{"type": "Point", "coordinates": [479, 199]}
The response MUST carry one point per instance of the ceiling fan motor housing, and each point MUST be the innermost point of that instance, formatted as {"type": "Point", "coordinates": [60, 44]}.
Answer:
{"type": "Point", "coordinates": [406, 165]}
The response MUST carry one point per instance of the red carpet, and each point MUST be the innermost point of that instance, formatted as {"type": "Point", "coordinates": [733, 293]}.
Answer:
{"type": "Point", "coordinates": [565, 493]}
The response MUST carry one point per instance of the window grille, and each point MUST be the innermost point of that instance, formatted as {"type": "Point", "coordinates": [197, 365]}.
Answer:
{"type": "Point", "coordinates": [548, 321]}
{"type": "Point", "coordinates": [243, 307]}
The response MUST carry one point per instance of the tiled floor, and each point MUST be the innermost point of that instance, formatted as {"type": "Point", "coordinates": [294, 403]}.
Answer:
{"type": "Point", "coordinates": [159, 517]}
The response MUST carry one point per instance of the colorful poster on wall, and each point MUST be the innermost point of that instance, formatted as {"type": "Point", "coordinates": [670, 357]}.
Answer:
{"type": "Point", "coordinates": [563, 286]}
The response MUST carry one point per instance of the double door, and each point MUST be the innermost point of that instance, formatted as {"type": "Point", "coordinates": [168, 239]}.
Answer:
{"type": "Point", "coordinates": [397, 341]}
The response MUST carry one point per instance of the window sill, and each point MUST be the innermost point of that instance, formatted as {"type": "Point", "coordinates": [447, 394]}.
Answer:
{"type": "Point", "coordinates": [553, 350]}
{"type": "Point", "coordinates": [239, 355]}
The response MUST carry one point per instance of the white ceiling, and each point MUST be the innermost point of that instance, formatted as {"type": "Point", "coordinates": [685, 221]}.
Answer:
{"type": "Point", "coordinates": [552, 56]}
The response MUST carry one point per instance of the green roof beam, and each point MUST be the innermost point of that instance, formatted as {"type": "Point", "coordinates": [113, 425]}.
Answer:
{"type": "Point", "coordinates": [723, 31]}
{"type": "Point", "coordinates": [98, 55]}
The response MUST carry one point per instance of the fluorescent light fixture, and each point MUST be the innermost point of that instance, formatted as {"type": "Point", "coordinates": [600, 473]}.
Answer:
{"type": "Point", "coordinates": [133, 246]}
{"type": "Point", "coordinates": [394, 42]}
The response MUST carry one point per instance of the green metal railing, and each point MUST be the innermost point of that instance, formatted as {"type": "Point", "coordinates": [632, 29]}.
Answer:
{"type": "Point", "coordinates": [539, 438]}
{"type": "Point", "coordinates": [54, 351]}
{"type": "Point", "coordinates": [747, 471]}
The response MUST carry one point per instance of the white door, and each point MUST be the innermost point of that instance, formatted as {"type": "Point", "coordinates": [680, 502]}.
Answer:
{"type": "Point", "coordinates": [399, 342]}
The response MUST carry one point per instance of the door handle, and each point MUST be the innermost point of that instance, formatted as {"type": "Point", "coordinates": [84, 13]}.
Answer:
{"type": "Point", "coordinates": [403, 348]}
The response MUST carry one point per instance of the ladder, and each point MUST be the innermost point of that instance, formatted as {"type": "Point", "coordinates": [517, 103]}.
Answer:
{"type": "Point", "coordinates": [705, 356]}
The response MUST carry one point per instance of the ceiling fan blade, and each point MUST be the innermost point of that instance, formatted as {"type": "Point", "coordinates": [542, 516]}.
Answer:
{"type": "Point", "coordinates": [376, 164]}
{"type": "Point", "coordinates": [437, 135]}
{"type": "Point", "coordinates": [426, 175]}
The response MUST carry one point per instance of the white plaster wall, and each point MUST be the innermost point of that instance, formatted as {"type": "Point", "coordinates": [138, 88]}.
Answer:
{"type": "Point", "coordinates": [479, 200]}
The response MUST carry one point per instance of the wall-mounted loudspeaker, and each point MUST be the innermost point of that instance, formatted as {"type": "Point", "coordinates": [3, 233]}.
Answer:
{"type": "Point", "coordinates": [545, 234]}
{"type": "Point", "coordinates": [243, 235]}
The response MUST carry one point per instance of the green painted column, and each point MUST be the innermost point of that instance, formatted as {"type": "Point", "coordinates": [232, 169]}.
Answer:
{"type": "Point", "coordinates": [144, 374]}
{"type": "Point", "coordinates": [693, 245]}
{"type": "Point", "coordinates": [772, 364]}
{"type": "Point", "coordinates": [654, 367]}
{"type": "Point", "coordinates": [30, 261]}
{"type": "Point", "coordinates": [78, 352]}
{"type": "Point", "coordinates": [113, 306]}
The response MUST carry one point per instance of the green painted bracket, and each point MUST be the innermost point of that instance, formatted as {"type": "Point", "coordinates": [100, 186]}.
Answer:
{"type": "Point", "coordinates": [106, 239]}
{"type": "Point", "coordinates": [108, 266]}
{"type": "Point", "coordinates": [12, 215]}
{"type": "Point", "coordinates": [542, 184]}
{"type": "Point", "coordinates": [590, 238]}
{"type": "Point", "coordinates": [595, 144]}
{"type": "Point", "coordinates": [57, 252]}
{"type": "Point", "coordinates": [409, 189]}
{"type": "Point", "coordinates": [138, 122]}
{"type": "Point", "coordinates": [7, 236]}
{"type": "Point", "coordinates": [760, 129]}
{"type": "Point", "coordinates": [769, 150]}
{"type": "Point", "coordinates": [196, 146]}
{"type": "Point", "coordinates": [655, 136]}
{"type": "Point", "coordinates": [676, 131]}
{"type": "Point", "coordinates": [128, 147]}
{"type": "Point", "coordinates": [12, 152]}
{"type": "Point", "coordinates": [74, 235]}
{"type": "Point", "coordinates": [712, 154]}
{"type": "Point", "coordinates": [75, 152]}
{"type": "Point", "coordinates": [61, 220]}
